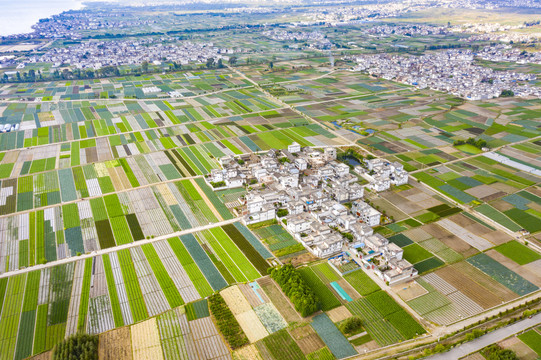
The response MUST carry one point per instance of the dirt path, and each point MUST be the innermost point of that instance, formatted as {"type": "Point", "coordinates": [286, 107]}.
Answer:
{"type": "Point", "coordinates": [207, 201]}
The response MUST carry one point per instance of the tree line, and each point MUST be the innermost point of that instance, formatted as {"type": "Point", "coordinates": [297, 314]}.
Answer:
{"type": "Point", "coordinates": [301, 295]}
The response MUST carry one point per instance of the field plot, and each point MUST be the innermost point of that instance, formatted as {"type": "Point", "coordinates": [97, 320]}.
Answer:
{"type": "Point", "coordinates": [248, 352]}
{"type": "Point", "coordinates": [332, 337]}
{"type": "Point", "coordinates": [229, 254]}
{"type": "Point", "coordinates": [502, 274]}
{"type": "Point", "coordinates": [385, 321]}
{"type": "Point", "coordinates": [249, 245]}
{"type": "Point", "coordinates": [533, 339]}
{"type": "Point", "coordinates": [208, 342]}
{"type": "Point", "coordinates": [326, 297]}
{"type": "Point", "coordinates": [245, 315]}
{"type": "Point", "coordinates": [517, 252]}
{"type": "Point", "coordinates": [279, 300]}
{"type": "Point", "coordinates": [116, 344]}
{"type": "Point", "coordinates": [280, 345]}
{"type": "Point", "coordinates": [474, 284]}
{"type": "Point", "coordinates": [307, 339]}
{"type": "Point", "coordinates": [279, 241]}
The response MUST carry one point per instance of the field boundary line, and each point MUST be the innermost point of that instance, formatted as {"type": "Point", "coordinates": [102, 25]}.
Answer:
{"type": "Point", "coordinates": [117, 248]}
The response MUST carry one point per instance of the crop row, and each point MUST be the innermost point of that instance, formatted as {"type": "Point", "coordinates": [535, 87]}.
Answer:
{"type": "Point", "coordinates": [325, 295]}
{"type": "Point", "coordinates": [242, 243]}
{"type": "Point", "coordinates": [102, 222]}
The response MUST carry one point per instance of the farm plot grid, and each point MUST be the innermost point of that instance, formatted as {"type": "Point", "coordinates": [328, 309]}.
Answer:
{"type": "Point", "coordinates": [124, 287]}
{"type": "Point", "coordinates": [199, 140]}
{"type": "Point", "coordinates": [498, 191]}
{"type": "Point", "coordinates": [103, 222]}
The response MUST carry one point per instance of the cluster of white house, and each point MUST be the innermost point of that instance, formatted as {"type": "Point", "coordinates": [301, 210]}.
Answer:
{"type": "Point", "coordinates": [313, 187]}
{"type": "Point", "coordinates": [380, 174]}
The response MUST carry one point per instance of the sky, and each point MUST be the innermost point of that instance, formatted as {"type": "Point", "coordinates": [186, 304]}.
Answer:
{"type": "Point", "coordinates": [17, 16]}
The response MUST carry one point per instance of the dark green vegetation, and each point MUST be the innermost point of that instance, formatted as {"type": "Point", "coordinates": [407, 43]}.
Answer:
{"type": "Point", "coordinates": [478, 143]}
{"type": "Point", "coordinates": [77, 347]}
{"type": "Point", "coordinates": [227, 324]}
{"type": "Point", "coordinates": [351, 325]}
{"type": "Point", "coordinates": [255, 257]}
{"type": "Point", "coordinates": [293, 285]}
{"type": "Point", "coordinates": [327, 300]}
{"type": "Point", "coordinates": [495, 352]}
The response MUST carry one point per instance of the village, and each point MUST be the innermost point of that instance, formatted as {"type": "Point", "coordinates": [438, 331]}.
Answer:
{"type": "Point", "coordinates": [319, 202]}
{"type": "Point", "coordinates": [316, 39]}
{"type": "Point", "coordinates": [97, 54]}
{"type": "Point", "coordinates": [451, 71]}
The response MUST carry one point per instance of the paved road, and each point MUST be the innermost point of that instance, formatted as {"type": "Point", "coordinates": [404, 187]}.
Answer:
{"type": "Point", "coordinates": [488, 339]}
{"type": "Point", "coordinates": [117, 248]}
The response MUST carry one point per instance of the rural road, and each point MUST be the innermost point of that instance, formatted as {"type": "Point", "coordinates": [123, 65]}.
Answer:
{"type": "Point", "coordinates": [117, 248]}
{"type": "Point", "coordinates": [488, 339]}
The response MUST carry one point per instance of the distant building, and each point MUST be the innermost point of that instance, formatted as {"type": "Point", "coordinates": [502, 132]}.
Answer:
{"type": "Point", "coordinates": [294, 148]}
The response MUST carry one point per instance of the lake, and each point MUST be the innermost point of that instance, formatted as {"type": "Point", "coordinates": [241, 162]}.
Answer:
{"type": "Point", "coordinates": [18, 16]}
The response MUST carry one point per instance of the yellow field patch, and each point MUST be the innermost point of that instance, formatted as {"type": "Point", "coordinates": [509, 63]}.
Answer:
{"type": "Point", "coordinates": [145, 340]}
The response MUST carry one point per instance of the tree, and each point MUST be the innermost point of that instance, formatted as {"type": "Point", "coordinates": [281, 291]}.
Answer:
{"type": "Point", "coordinates": [282, 212]}
{"type": "Point", "coordinates": [507, 93]}
{"type": "Point", "coordinates": [144, 66]}
{"type": "Point", "coordinates": [271, 65]}
{"type": "Point", "coordinates": [79, 346]}
{"type": "Point", "coordinates": [233, 60]}
{"type": "Point", "coordinates": [495, 352]}
{"type": "Point", "coordinates": [303, 298]}
{"type": "Point", "coordinates": [350, 325]}
{"type": "Point", "coordinates": [210, 63]}
{"type": "Point", "coordinates": [220, 64]}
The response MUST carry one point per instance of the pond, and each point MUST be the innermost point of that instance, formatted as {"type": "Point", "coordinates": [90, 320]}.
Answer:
{"type": "Point", "coordinates": [350, 160]}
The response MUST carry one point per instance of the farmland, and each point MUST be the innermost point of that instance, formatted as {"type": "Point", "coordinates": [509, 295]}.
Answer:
{"type": "Point", "coordinates": [116, 170]}
{"type": "Point", "coordinates": [518, 252]}
{"type": "Point", "coordinates": [384, 319]}
{"type": "Point", "coordinates": [122, 288]}
{"type": "Point", "coordinates": [279, 241]}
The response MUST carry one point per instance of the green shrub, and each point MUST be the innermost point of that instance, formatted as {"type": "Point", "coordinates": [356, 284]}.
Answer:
{"type": "Point", "coordinates": [351, 325]}
{"type": "Point", "coordinates": [282, 212]}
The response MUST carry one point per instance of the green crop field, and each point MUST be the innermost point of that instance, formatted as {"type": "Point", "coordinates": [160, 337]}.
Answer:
{"type": "Point", "coordinates": [326, 273]}
{"type": "Point", "coordinates": [518, 252]}
{"type": "Point", "coordinates": [362, 282]}
{"type": "Point", "coordinates": [166, 283]}
{"type": "Point", "coordinates": [193, 271]}
{"type": "Point", "coordinates": [533, 339]}
{"type": "Point", "coordinates": [383, 303]}
{"type": "Point", "coordinates": [282, 346]}
{"type": "Point", "coordinates": [414, 253]}
{"type": "Point", "coordinates": [327, 299]}
{"type": "Point", "coordinates": [249, 251]}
